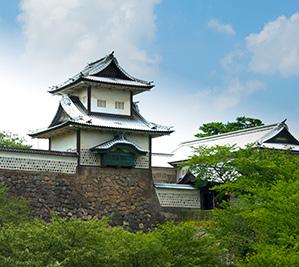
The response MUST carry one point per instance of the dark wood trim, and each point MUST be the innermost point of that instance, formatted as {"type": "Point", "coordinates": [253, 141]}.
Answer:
{"type": "Point", "coordinates": [131, 103]}
{"type": "Point", "coordinates": [50, 144]}
{"type": "Point", "coordinates": [109, 115]}
{"type": "Point", "coordinates": [150, 152]}
{"type": "Point", "coordinates": [79, 145]}
{"type": "Point", "coordinates": [89, 99]}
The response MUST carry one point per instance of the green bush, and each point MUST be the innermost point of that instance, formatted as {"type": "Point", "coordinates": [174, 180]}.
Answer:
{"type": "Point", "coordinates": [188, 244]}
{"type": "Point", "coordinates": [74, 242]}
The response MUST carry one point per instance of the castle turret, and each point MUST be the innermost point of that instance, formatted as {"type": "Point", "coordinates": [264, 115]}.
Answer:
{"type": "Point", "coordinates": [98, 118]}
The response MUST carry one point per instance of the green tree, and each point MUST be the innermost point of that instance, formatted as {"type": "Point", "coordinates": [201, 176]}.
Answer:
{"type": "Point", "coordinates": [213, 164]}
{"type": "Point", "coordinates": [8, 139]}
{"type": "Point", "coordinates": [260, 226]}
{"type": "Point", "coordinates": [214, 128]}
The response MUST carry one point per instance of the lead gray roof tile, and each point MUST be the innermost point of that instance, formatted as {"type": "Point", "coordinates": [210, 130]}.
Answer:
{"type": "Point", "coordinates": [119, 140]}
{"type": "Point", "coordinates": [90, 73]}
{"type": "Point", "coordinates": [78, 115]}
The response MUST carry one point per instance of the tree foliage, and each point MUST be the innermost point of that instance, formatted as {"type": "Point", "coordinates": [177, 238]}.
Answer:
{"type": "Point", "coordinates": [213, 164]}
{"type": "Point", "coordinates": [260, 227]}
{"type": "Point", "coordinates": [75, 242]}
{"type": "Point", "coordinates": [8, 139]}
{"type": "Point", "coordinates": [214, 128]}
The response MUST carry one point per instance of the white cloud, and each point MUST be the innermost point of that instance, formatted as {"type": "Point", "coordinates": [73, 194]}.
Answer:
{"type": "Point", "coordinates": [236, 91]}
{"type": "Point", "coordinates": [64, 35]}
{"type": "Point", "coordinates": [228, 96]}
{"type": "Point", "coordinates": [218, 26]}
{"type": "Point", "coordinates": [233, 62]}
{"type": "Point", "coordinates": [275, 49]}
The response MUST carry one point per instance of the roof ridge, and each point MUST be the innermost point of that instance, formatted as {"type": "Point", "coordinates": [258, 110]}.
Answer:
{"type": "Point", "coordinates": [222, 135]}
{"type": "Point", "coordinates": [101, 59]}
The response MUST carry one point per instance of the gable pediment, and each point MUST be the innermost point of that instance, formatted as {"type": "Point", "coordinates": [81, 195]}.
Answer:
{"type": "Point", "coordinates": [60, 116]}
{"type": "Point", "coordinates": [283, 137]}
{"type": "Point", "coordinates": [112, 71]}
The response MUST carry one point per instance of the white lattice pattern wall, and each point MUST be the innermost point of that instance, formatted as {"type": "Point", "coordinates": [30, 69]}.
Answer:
{"type": "Point", "coordinates": [180, 198]}
{"type": "Point", "coordinates": [89, 158]}
{"type": "Point", "coordinates": [142, 162]}
{"type": "Point", "coordinates": [37, 162]}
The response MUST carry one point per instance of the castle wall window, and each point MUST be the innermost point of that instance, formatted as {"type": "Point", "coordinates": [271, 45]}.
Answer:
{"type": "Point", "coordinates": [119, 105]}
{"type": "Point", "coordinates": [101, 103]}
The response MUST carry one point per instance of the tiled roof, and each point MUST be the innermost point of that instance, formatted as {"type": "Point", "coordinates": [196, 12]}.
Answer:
{"type": "Point", "coordinates": [119, 140]}
{"type": "Point", "coordinates": [78, 116]}
{"type": "Point", "coordinates": [257, 136]}
{"type": "Point", "coordinates": [116, 81]}
{"type": "Point", "coordinates": [175, 186]}
{"type": "Point", "coordinates": [38, 151]}
{"type": "Point", "coordinates": [91, 73]}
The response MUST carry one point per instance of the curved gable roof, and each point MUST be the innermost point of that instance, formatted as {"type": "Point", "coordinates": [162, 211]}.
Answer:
{"type": "Point", "coordinates": [72, 112]}
{"type": "Point", "coordinates": [118, 141]}
{"type": "Point", "coordinates": [104, 70]}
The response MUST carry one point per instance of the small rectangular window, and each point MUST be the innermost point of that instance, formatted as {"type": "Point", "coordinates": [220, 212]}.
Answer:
{"type": "Point", "coordinates": [119, 105]}
{"type": "Point", "coordinates": [101, 103]}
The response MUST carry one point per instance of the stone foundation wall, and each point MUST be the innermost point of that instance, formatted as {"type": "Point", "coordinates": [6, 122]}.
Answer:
{"type": "Point", "coordinates": [126, 195]}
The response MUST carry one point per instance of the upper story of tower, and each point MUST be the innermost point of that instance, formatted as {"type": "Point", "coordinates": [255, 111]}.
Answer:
{"type": "Point", "coordinates": [104, 87]}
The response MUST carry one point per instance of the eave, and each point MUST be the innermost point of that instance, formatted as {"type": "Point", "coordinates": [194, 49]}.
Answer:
{"type": "Point", "coordinates": [84, 81]}
{"type": "Point", "coordinates": [70, 125]}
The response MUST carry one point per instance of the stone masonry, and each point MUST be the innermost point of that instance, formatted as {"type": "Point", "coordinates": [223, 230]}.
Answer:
{"type": "Point", "coordinates": [127, 196]}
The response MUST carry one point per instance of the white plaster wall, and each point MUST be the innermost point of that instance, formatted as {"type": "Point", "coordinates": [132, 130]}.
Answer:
{"type": "Point", "coordinates": [82, 93]}
{"type": "Point", "coordinates": [66, 142]}
{"type": "Point", "coordinates": [141, 140]}
{"type": "Point", "coordinates": [91, 138]}
{"type": "Point", "coordinates": [110, 95]}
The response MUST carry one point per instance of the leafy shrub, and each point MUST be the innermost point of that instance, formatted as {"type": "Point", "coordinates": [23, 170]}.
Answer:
{"type": "Point", "coordinates": [75, 242]}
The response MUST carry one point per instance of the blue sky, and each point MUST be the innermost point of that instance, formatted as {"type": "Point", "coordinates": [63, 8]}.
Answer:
{"type": "Point", "coordinates": [210, 60]}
